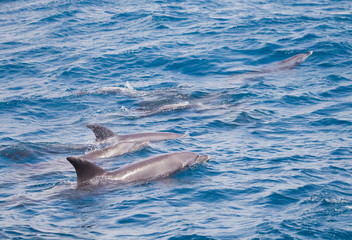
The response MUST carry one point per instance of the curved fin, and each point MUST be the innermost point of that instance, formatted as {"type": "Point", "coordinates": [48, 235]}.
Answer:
{"type": "Point", "coordinates": [85, 170]}
{"type": "Point", "coordinates": [101, 132]}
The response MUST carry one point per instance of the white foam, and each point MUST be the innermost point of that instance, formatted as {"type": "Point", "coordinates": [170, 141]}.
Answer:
{"type": "Point", "coordinates": [127, 90]}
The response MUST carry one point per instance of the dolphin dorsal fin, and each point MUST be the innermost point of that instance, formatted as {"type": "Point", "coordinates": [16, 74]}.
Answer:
{"type": "Point", "coordinates": [101, 132]}
{"type": "Point", "coordinates": [85, 170]}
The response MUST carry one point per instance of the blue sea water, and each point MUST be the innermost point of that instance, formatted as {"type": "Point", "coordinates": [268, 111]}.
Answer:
{"type": "Point", "coordinates": [280, 144]}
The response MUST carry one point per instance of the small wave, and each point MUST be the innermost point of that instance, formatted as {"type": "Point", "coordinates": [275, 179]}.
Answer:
{"type": "Point", "coordinates": [338, 92]}
{"type": "Point", "coordinates": [18, 153]}
{"type": "Point", "coordinates": [304, 99]}
{"type": "Point", "coordinates": [192, 237]}
{"type": "Point", "coordinates": [331, 122]}
{"type": "Point", "coordinates": [136, 218]}
{"type": "Point", "coordinates": [342, 151]}
{"type": "Point", "coordinates": [245, 117]}
{"type": "Point", "coordinates": [34, 152]}
{"type": "Point", "coordinates": [221, 124]}
{"type": "Point", "coordinates": [192, 66]}
{"type": "Point", "coordinates": [276, 199]}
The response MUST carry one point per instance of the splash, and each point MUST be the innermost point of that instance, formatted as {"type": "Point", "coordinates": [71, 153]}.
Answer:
{"type": "Point", "coordinates": [127, 90]}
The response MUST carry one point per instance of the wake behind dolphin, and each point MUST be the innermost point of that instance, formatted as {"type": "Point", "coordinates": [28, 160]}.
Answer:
{"type": "Point", "coordinates": [89, 174]}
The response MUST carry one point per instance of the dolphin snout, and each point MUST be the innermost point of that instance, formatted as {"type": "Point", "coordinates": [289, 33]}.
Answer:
{"type": "Point", "coordinates": [203, 158]}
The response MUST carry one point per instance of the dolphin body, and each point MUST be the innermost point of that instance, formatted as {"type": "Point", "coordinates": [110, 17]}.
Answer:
{"type": "Point", "coordinates": [166, 108]}
{"type": "Point", "coordinates": [89, 174]}
{"type": "Point", "coordinates": [287, 64]}
{"type": "Point", "coordinates": [115, 150]}
{"type": "Point", "coordinates": [105, 135]}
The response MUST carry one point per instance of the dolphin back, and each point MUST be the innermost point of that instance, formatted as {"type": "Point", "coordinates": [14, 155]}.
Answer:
{"type": "Point", "coordinates": [145, 170]}
{"type": "Point", "coordinates": [117, 149]}
{"type": "Point", "coordinates": [157, 167]}
{"type": "Point", "coordinates": [294, 61]}
{"type": "Point", "coordinates": [289, 63]}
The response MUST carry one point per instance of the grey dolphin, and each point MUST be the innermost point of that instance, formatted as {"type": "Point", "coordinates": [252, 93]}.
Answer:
{"type": "Point", "coordinates": [117, 149]}
{"type": "Point", "coordinates": [287, 64]}
{"type": "Point", "coordinates": [105, 135]}
{"type": "Point", "coordinates": [150, 169]}
{"type": "Point", "coordinates": [166, 108]}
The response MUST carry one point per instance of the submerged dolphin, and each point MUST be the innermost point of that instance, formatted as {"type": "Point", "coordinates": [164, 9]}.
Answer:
{"type": "Point", "coordinates": [150, 169]}
{"type": "Point", "coordinates": [117, 149]}
{"type": "Point", "coordinates": [287, 64]}
{"type": "Point", "coordinates": [104, 135]}
{"type": "Point", "coordinates": [166, 108]}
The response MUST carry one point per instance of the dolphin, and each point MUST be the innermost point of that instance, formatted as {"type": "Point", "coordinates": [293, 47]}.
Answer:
{"type": "Point", "coordinates": [166, 108]}
{"type": "Point", "coordinates": [117, 149]}
{"type": "Point", "coordinates": [89, 174]}
{"type": "Point", "coordinates": [105, 135]}
{"type": "Point", "coordinates": [287, 64]}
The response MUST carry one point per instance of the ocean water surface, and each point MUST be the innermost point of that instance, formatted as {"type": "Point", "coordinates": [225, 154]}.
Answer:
{"type": "Point", "coordinates": [280, 143]}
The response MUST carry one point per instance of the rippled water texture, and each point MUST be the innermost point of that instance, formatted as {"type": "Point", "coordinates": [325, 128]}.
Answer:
{"type": "Point", "coordinates": [280, 143]}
